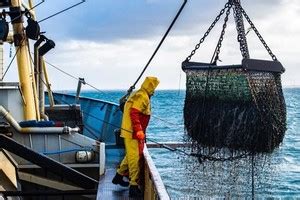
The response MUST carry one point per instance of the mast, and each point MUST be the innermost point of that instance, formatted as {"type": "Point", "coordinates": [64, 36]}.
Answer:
{"type": "Point", "coordinates": [22, 55]}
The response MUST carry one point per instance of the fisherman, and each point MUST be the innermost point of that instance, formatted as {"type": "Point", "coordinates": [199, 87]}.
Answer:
{"type": "Point", "coordinates": [135, 120]}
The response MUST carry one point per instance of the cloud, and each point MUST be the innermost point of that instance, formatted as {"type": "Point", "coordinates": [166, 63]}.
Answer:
{"type": "Point", "coordinates": [115, 65]}
{"type": "Point", "coordinates": [106, 21]}
{"type": "Point", "coordinates": [109, 42]}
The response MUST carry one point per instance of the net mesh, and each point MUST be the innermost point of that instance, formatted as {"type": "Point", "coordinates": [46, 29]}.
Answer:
{"type": "Point", "coordinates": [229, 179]}
{"type": "Point", "coordinates": [240, 111]}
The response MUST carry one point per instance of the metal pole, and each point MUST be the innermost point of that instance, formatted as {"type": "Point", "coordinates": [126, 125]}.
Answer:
{"type": "Point", "coordinates": [25, 77]}
{"type": "Point", "coordinates": [48, 85]}
{"type": "Point", "coordinates": [44, 68]}
{"type": "Point", "coordinates": [34, 80]}
{"type": "Point", "coordinates": [31, 3]}
{"type": "Point", "coordinates": [80, 82]}
{"type": "Point", "coordinates": [41, 88]}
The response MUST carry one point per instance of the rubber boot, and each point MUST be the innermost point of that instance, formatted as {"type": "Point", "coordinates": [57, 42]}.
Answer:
{"type": "Point", "coordinates": [134, 191]}
{"type": "Point", "coordinates": [118, 179]}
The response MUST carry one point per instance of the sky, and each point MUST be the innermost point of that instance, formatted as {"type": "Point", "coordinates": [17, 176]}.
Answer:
{"type": "Point", "coordinates": [108, 42]}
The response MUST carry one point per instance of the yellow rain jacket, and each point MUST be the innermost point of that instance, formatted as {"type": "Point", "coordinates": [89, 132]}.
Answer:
{"type": "Point", "coordinates": [138, 102]}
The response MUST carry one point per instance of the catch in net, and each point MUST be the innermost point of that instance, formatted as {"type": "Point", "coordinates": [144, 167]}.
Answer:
{"type": "Point", "coordinates": [239, 108]}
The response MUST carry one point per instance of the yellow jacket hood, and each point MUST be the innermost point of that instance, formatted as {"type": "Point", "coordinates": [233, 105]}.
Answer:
{"type": "Point", "coordinates": [149, 84]}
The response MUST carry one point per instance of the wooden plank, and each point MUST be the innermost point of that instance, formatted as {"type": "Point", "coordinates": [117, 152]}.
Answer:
{"type": "Point", "coordinates": [8, 168]}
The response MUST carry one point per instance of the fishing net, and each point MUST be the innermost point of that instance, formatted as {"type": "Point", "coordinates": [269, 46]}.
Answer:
{"type": "Point", "coordinates": [233, 108]}
{"type": "Point", "coordinates": [237, 110]}
{"type": "Point", "coordinates": [228, 179]}
{"type": "Point", "coordinates": [233, 114]}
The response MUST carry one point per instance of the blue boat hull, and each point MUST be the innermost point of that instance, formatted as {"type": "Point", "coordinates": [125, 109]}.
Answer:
{"type": "Point", "coordinates": [100, 118]}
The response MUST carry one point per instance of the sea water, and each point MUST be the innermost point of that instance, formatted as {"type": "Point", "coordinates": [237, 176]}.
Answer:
{"type": "Point", "coordinates": [276, 176]}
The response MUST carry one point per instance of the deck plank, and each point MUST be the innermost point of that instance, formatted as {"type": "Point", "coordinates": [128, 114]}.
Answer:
{"type": "Point", "coordinates": [108, 190]}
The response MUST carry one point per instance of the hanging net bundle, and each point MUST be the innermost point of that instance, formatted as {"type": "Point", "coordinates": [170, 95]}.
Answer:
{"type": "Point", "coordinates": [239, 108]}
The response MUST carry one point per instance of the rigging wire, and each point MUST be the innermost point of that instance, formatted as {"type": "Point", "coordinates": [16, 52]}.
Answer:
{"type": "Point", "coordinates": [27, 11]}
{"type": "Point", "coordinates": [62, 11]}
{"type": "Point", "coordinates": [66, 73]}
{"type": "Point", "coordinates": [70, 75]}
{"type": "Point", "coordinates": [167, 122]}
{"type": "Point", "coordinates": [129, 91]}
{"type": "Point", "coordinates": [11, 61]}
{"type": "Point", "coordinates": [161, 42]}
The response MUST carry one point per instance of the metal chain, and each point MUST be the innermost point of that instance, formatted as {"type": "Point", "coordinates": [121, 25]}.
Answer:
{"type": "Point", "coordinates": [219, 45]}
{"type": "Point", "coordinates": [208, 31]}
{"type": "Point", "coordinates": [241, 30]}
{"type": "Point", "coordinates": [258, 35]}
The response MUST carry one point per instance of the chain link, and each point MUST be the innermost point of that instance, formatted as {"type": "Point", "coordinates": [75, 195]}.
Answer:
{"type": "Point", "coordinates": [258, 34]}
{"type": "Point", "coordinates": [241, 30]}
{"type": "Point", "coordinates": [219, 45]}
{"type": "Point", "coordinates": [239, 12]}
{"type": "Point", "coordinates": [207, 32]}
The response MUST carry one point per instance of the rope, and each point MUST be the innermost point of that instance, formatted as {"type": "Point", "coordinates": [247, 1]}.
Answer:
{"type": "Point", "coordinates": [155, 51]}
{"type": "Point", "coordinates": [161, 41]}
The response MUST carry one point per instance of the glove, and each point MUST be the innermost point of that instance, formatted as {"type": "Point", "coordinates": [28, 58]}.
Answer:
{"type": "Point", "coordinates": [140, 135]}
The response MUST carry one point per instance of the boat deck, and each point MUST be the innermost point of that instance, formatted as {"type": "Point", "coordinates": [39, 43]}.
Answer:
{"type": "Point", "coordinates": [107, 190]}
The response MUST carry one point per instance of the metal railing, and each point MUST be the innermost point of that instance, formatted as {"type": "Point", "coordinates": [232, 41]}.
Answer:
{"type": "Point", "coordinates": [154, 187]}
